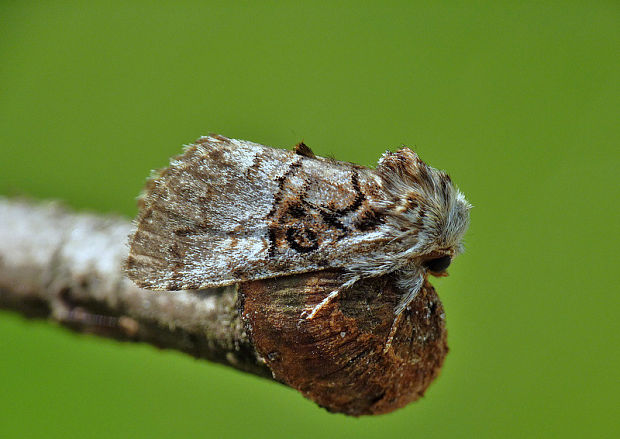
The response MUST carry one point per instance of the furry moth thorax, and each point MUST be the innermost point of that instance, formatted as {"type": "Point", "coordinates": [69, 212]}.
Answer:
{"type": "Point", "coordinates": [429, 215]}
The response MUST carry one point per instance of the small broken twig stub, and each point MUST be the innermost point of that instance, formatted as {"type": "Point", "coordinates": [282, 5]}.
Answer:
{"type": "Point", "coordinates": [66, 267]}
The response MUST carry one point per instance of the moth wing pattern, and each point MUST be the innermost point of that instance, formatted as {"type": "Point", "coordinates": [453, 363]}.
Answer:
{"type": "Point", "coordinates": [228, 211]}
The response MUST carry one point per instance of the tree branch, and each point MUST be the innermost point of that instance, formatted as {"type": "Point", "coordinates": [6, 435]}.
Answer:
{"type": "Point", "coordinates": [66, 267]}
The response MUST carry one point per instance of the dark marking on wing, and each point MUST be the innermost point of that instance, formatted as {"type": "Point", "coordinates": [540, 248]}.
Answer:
{"type": "Point", "coordinates": [216, 155]}
{"type": "Point", "coordinates": [175, 282]}
{"type": "Point", "coordinates": [273, 242]}
{"type": "Point", "coordinates": [277, 197]}
{"type": "Point", "coordinates": [368, 220]}
{"type": "Point", "coordinates": [240, 274]}
{"type": "Point", "coordinates": [296, 210]}
{"type": "Point", "coordinates": [302, 225]}
{"type": "Point", "coordinates": [292, 167]}
{"type": "Point", "coordinates": [185, 231]}
{"type": "Point", "coordinates": [176, 250]}
{"type": "Point", "coordinates": [302, 240]}
{"type": "Point", "coordinates": [357, 202]}
{"type": "Point", "coordinates": [333, 219]}
{"type": "Point", "coordinates": [323, 262]}
{"type": "Point", "coordinates": [257, 161]}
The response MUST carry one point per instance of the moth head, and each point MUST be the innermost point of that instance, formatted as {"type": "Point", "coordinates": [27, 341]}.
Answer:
{"type": "Point", "coordinates": [428, 214]}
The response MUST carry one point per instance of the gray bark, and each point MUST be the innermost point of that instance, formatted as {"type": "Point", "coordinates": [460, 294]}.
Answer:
{"type": "Point", "coordinates": [67, 267]}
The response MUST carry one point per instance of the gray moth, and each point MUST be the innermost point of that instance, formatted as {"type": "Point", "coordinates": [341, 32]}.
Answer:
{"type": "Point", "coordinates": [228, 211]}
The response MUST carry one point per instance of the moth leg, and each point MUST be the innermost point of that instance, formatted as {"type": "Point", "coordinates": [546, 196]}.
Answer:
{"type": "Point", "coordinates": [328, 299]}
{"type": "Point", "coordinates": [323, 303]}
{"type": "Point", "coordinates": [412, 284]}
{"type": "Point", "coordinates": [395, 323]}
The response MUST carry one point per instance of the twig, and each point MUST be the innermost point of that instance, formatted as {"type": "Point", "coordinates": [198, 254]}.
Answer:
{"type": "Point", "coordinates": [66, 267]}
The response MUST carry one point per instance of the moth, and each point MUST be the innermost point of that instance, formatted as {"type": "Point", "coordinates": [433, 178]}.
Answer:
{"type": "Point", "coordinates": [230, 211]}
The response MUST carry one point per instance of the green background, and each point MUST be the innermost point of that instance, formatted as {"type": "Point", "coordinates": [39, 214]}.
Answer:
{"type": "Point", "coordinates": [519, 101]}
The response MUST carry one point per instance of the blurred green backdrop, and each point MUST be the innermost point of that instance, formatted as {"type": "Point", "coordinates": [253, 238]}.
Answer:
{"type": "Point", "coordinates": [519, 101]}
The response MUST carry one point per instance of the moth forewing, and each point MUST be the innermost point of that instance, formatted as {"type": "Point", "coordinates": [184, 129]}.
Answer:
{"type": "Point", "coordinates": [229, 211]}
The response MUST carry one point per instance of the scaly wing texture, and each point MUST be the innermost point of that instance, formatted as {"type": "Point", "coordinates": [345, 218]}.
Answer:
{"type": "Point", "coordinates": [228, 211]}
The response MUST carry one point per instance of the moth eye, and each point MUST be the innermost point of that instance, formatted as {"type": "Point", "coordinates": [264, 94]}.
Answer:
{"type": "Point", "coordinates": [438, 265]}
